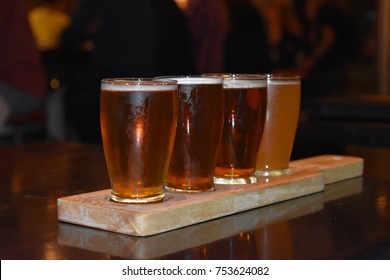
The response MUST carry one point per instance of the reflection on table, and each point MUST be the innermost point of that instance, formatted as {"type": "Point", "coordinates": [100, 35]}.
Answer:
{"type": "Point", "coordinates": [349, 219]}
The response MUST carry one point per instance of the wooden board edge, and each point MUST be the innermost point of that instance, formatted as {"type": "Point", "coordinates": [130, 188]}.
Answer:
{"type": "Point", "coordinates": [335, 168]}
{"type": "Point", "coordinates": [146, 224]}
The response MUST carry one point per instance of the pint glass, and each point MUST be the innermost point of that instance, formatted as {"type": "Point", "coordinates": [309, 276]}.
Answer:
{"type": "Point", "coordinates": [244, 116]}
{"type": "Point", "coordinates": [199, 128]}
{"type": "Point", "coordinates": [138, 123]}
{"type": "Point", "coordinates": [284, 96]}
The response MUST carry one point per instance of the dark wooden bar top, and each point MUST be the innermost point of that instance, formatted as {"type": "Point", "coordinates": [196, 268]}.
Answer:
{"type": "Point", "coordinates": [349, 220]}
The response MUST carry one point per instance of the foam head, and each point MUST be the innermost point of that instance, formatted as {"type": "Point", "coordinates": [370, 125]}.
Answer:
{"type": "Point", "coordinates": [129, 84]}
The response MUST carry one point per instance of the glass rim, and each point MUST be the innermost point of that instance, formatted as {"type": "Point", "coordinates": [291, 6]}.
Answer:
{"type": "Point", "coordinates": [137, 81]}
{"type": "Point", "coordinates": [192, 79]}
{"type": "Point", "coordinates": [121, 84]}
{"type": "Point", "coordinates": [241, 81]}
{"type": "Point", "coordinates": [237, 76]}
{"type": "Point", "coordinates": [283, 77]}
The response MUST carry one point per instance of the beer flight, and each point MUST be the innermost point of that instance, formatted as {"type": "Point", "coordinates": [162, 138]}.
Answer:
{"type": "Point", "coordinates": [190, 133]}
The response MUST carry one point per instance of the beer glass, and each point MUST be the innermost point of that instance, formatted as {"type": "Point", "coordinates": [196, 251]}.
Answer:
{"type": "Point", "coordinates": [138, 123]}
{"type": "Point", "coordinates": [199, 128]}
{"type": "Point", "coordinates": [283, 106]}
{"type": "Point", "coordinates": [244, 116]}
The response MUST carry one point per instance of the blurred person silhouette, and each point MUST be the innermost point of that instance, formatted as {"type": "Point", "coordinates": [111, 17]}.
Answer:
{"type": "Point", "coordinates": [332, 39]}
{"type": "Point", "coordinates": [246, 44]}
{"type": "Point", "coordinates": [284, 33]}
{"type": "Point", "coordinates": [123, 38]}
{"type": "Point", "coordinates": [22, 76]}
{"type": "Point", "coordinates": [48, 21]}
{"type": "Point", "coordinates": [208, 23]}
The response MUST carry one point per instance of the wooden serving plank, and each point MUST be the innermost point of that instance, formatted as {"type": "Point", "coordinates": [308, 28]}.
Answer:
{"type": "Point", "coordinates": [180, 210]}
{"type": "Point", "coordinates": [334, 167]}
{"type": "Point", "coordinates": [158, 245]}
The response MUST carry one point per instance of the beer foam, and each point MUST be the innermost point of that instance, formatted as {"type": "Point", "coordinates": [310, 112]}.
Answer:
{"type": "Point", "coordinates": [196, 80]}
{"type": "Point", "coordinates": [135, 85]}
{"type": "Point", "coordinates": [242, 83]}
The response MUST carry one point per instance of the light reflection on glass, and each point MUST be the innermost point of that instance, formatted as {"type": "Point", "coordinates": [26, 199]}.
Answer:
{"type": "Point", "coordinates": [188, 126]}
{"type": "Point", "coordinates": [139, 132]}
{"type": "Point", "coordinates": [233, 118]}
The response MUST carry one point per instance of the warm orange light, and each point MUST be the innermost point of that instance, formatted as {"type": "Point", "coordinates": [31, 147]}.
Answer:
{"type": "Point", "coordinates": [182, 4]}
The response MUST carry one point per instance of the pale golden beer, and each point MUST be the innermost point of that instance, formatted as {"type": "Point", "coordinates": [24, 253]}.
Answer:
{"type": "Point", "coordinates": [138, 123]}
{"type": "Point", "coordinates": [244, 116]}
{"type": "Point", "coordinates": [284, 97]}
{"type": "Point", "coordinates": [199, 128]}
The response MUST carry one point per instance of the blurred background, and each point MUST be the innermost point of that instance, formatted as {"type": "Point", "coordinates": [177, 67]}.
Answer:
{"type": "Point", "coordinates": [282, 19]}
{"type": "Point", "coordinates": [340, 48]}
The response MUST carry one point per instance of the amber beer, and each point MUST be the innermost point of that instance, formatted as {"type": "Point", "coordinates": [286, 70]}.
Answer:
{"type": "Point", "coordinates": [244, 116]}
{"type": "Point", "coordinates": [284, 95]}
{"type": "Point", "coordinates": [199, 129]}
{"type": "Point", "coordinates": [138, 123]}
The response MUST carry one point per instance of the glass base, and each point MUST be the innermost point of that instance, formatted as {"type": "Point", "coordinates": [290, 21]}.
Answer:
{"type": "Point", "coordinates": [150, 199]}
{"type": "Point", "coordinates": [178, 190]}
{"type": "Point", "coordinates": [235, 180]}
{"type": "Point", "coordinates": [273, 173]}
